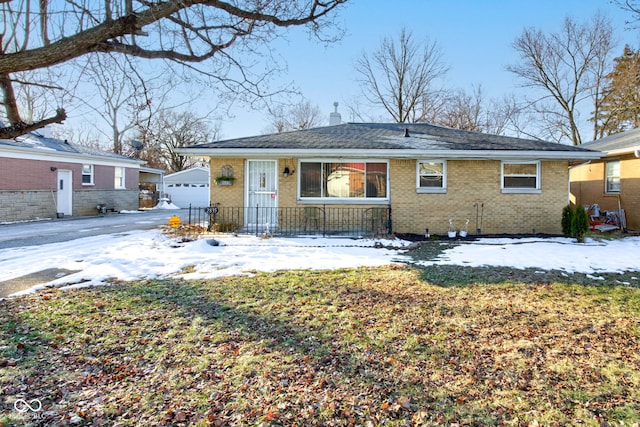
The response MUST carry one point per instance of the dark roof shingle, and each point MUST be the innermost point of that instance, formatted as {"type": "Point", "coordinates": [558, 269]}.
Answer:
{"type": "Point", "coordinates": [387, 136]}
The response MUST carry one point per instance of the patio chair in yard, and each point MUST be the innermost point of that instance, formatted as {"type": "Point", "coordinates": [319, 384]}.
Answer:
{"type": "Point", "coordinates": [373, 216]}
{"type": "Point", "coordinates": [312, 214]}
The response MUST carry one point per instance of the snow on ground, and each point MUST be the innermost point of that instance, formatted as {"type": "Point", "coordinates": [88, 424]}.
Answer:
{"type": "Point", "coordinates": [593, 256]}
{"type": "Point", "coordinates": [152, 254]}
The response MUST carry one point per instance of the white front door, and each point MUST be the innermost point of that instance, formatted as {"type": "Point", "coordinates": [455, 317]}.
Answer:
{"type": "Point", "coordinates": [65, 192]}
{"type": "Point", "coordinates": [262, 194]}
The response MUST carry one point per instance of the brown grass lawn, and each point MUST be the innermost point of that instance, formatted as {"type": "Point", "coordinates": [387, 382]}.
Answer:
{"type": "Point", "coordinates": [386, 346]}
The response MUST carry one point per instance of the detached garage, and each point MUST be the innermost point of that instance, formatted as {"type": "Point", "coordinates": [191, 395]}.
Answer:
{"type": "Point", "coordinates": [190, 186]}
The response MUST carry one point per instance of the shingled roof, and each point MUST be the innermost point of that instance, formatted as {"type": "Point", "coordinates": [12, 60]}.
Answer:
{"type": "Point", "coordinates": [36, 142]}
{"type": "Point", "coordinates": [392, 140]}
{"type": "Point", "coordinates": [620, 143]}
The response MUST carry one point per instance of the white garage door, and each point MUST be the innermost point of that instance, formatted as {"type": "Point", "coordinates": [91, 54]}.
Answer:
{"type": "Point", "coordinates": [184, 194]}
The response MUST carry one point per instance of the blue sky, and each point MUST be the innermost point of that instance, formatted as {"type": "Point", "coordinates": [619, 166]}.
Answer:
{"type": "Point", "coordinates": [475, 37]}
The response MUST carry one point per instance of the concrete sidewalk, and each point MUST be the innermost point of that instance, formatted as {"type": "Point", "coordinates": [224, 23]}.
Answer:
{"type": "Point", "coordinates": [22, 283]}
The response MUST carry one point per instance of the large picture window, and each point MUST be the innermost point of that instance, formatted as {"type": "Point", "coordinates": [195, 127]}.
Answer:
{"type": "Point", "coordinates": [520, 176]}
{"type": "Point", "coordinates": [343, 180]}
{"type": "Point", "coordinates": [612, 177]}
{"type": "Point", "coordinates": [432, 176]}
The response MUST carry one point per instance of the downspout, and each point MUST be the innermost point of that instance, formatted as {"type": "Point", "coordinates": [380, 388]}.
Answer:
{"type": "Point", "coordinates": [569, 180]}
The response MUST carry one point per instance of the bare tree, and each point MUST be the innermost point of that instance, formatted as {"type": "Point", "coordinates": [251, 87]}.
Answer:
{"type": "Point", "coordinates": [473, 112]}
{"type": "Point", "coordinates": [303, 115]}
{"type": "Point", "coordinates": [207, 36]}
{"type": "Point", "coordinates": [632, 6]}
{"type": "Point", "coordinates": [568, 67]}
{"type": "Point", "coordinates": [120, 95]}
{"type": "Point", "coordinates": [35, 101]}
{"type": "Point", "coordinates": [399, 76]}
{"type": "Point", "coordinates": [169, 130]}
{"type": "Point", "coordinates": [84, 134]}
{"type": "Point", "coordinates": [463, 111]}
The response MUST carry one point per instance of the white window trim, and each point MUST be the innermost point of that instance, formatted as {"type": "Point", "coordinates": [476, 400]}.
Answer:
{"type": "Point", "coordinates": [123, 185]}
{"type": "Point", "coordinates": [342, 200]}
{"type": "Point", "coordinates": [92, 174]}
{"type": "Point", "coordinates": [520, 190]}
{"type": "Point", "coordinates": [606, 184]}
{"type": "Point", "coordinates": [431, 190]}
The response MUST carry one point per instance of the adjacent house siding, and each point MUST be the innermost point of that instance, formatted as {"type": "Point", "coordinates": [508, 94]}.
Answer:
{"type": "Point", "coordinates": [28, 189]}
{"type": "Point", "coordinates": [20, 174]}
{"type": "Point", "coordinates": [25, 205]}
{"type": "Point", "coordinates": [588, 187]}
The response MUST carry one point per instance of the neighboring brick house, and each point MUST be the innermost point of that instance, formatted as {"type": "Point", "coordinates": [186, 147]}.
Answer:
{"type": "Point", "coordinates": [612, 182]}
{"type": "Point", "coordinates": [423, 175]}
{"type": "Point", "coordinates": [42, 177]}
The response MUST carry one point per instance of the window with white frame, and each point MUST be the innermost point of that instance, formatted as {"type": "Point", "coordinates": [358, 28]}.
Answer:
{"type": "Point", "coordinates": [431, 176]}
{"type": "Point", "coordinates": [520, 176]}
{"type": "Point", "coordinates": [612, 176]}
{"type": "Point", "coordinates": [119, 178]}
{"type": "Point", "coordinates": [87, 174]}
{"type": "Point", "coordinates": [343, 180]}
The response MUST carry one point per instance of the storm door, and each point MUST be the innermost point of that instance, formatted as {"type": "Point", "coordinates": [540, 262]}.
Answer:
{"type": "Point", "coordinates": [262, 195]}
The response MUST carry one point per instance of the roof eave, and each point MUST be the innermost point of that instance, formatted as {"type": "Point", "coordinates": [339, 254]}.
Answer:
{"type": "Point", "coordinates": [392, 154]}
{"type": "Point", "coordinates": [623, 151]}
{"type": "Point", "coordinates": [50, 154]}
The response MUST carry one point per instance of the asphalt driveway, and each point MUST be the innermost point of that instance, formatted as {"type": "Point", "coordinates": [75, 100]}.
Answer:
{"type": "Point", "coordinates": [47, 231]}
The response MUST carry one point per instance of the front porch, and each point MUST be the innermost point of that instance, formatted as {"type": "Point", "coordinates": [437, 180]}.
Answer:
{"type": "Point", "coordinates": [295, 221]}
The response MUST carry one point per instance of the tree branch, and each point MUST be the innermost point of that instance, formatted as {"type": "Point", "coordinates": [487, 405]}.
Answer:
{"type": "Point", "coordinates": [131, 24]}
{"type": "Point", "coordinates": [22, 128]}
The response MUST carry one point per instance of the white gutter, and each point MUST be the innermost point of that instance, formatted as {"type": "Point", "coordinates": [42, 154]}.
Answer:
{"type": "Point", "coordinates": [629, 150]}
{"type": "Point", "coordinates": [62, 156]}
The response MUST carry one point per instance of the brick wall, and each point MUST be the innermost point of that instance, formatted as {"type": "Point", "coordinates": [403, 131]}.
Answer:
{"type": "Point", "coordinates": [19, 174]}
{"type": "Point", "coordinates": [473, 192]}
{"type": "Point", "coordinates": [288, 186]}
{"type": "Point", "coordinates": [85, 202]}
{"type": "Point", "coordinates": [230, 195]}
{"type": "Point", "coordinates": [26, 205]}
{"type": "Point", "coordinates": [36, 204]}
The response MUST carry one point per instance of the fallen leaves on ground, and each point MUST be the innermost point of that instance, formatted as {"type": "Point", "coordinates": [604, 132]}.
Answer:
{"type": "Point", "coordinates": [349, 347]}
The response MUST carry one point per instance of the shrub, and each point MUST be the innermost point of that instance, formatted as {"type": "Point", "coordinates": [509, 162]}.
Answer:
{"type": "Point", "coordinates": [579, 223]}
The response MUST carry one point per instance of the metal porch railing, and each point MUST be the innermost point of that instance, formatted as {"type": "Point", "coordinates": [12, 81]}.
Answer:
{"type": "Point", "coordinates": [295, 221]}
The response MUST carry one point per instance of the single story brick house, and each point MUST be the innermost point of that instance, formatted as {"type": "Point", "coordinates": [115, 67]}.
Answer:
{"type": "Point", "coordinates": [613, 181]}
{"type": "Point", "coordinates": [404, 178]}
{"type": "Point", "coordinates": [43, 177]}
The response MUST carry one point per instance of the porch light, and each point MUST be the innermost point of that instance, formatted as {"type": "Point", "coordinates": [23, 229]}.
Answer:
{"type": "Point", "coordinates": [286, 172]}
